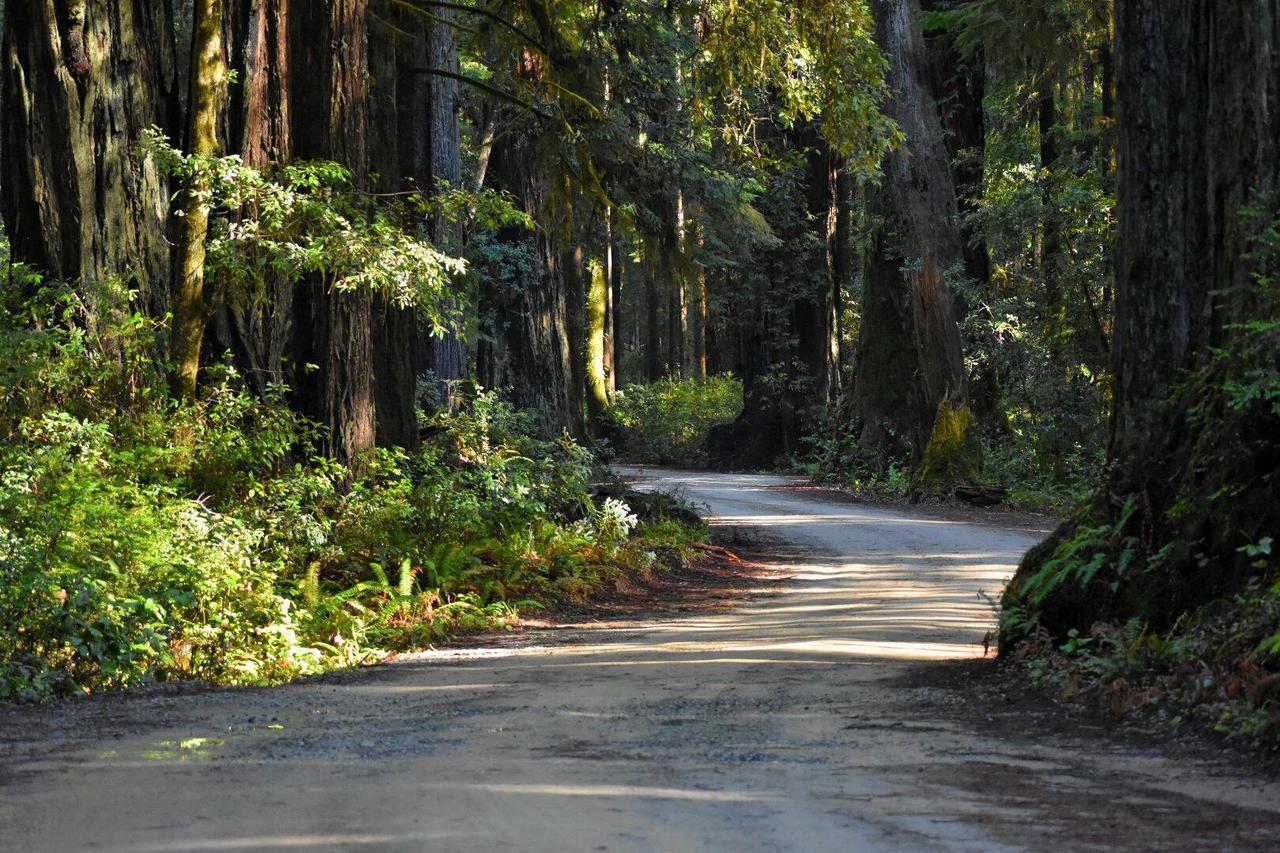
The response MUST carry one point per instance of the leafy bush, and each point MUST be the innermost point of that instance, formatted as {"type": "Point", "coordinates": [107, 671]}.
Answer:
{"type": "Point", "coordinates": [118, 560]}
{"type": "Point", "coordinates": [669, 421]}
{"type": "Point", "coordinates": [143, 539]}
{"type": "Point", "coordinates": [833, 456]}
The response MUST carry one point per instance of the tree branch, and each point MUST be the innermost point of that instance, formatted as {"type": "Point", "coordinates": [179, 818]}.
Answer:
{"type": "Point", "coordinates": [417, 10]}
{"type": "Point", "coordinates": [484, 13]}
{"type": "Point", "coordinates": [485, 87]}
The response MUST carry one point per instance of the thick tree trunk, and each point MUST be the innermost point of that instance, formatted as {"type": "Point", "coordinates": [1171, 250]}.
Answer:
{"type": "Point", "coordinates": [451, 357]}
{"type": "Point", "coordinates": [259, 122]}
{"type": "Point", "coordinates": [529, 350]}
{"type": "Point", "coordinates": [258, 327]}
{"type": "Point", "coordinates": [1199, 142]}
{"type": "Point", "coordinates": [330, 121]}
{"type": "Point", "coordinates": [1192, 479]}
{"type": "Point", "coordinates": [399, 154]}
{"type": "Point", "coordinates": [81, 82]}
{"type": "Point", "coordinates": [909, 358]}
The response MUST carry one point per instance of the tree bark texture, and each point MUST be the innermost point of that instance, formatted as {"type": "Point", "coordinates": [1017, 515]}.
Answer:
{"type": "Point", "coordinates": [258, 327]}
{"type": "Point", "coordinates": [1199, 141]}
{"type": "Point", "coordinates": [527, 321]}
{"type": "Point", "coordinates": [259, 120]}
{"type": "Point", "coordinates": [909, 357]}
{"type": "Point", "coordinates": [330, 121]}
{"type": "Point", "coordinates": [399, 153]}
{"type": "Point", "coordinates": [81, 82]}
{"type": "Point", "coordinates": [208, 81]}
{"type": "Point", "coordinates": [451, 357]}
{"type": "Point", "coordinates": [1191, 479]}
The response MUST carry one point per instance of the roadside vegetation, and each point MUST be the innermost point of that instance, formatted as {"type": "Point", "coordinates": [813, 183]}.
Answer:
{"type": "Point", "coordinates": [146, 539]}
{"type": "Point", "coordinates": [1216, 671]}
{"type": "Point", "coordinates": [670, 421]}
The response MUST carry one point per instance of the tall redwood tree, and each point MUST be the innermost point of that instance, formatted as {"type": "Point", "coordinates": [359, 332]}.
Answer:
{"type": "Point", "coordinates": [1194, 460]}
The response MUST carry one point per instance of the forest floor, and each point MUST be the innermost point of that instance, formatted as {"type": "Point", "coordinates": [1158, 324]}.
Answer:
{"type": "Point", "coordinates": [842, 704]}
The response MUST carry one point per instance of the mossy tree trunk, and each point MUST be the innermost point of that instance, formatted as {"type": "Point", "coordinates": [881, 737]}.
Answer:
{"type": "Point", "coordinates": [1192, 468]}
{"type": "Point", "coordinates": [208, 81]}
{"type": "Point", "coordinates": [909, 357]}
{"type": "Point", "coordinates": [80, 83]}
{"type": "Point", "coordinates": [597, 380]}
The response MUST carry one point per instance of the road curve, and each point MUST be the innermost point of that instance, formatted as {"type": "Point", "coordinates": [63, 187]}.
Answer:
{"type": "Point", "coordinates": [794, 722]}
{"type": "Point", "coordinates": [874, 582]}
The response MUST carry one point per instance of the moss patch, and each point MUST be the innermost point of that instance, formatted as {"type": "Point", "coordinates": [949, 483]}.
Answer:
{"type": "Point", "coordinates": [954, 455]}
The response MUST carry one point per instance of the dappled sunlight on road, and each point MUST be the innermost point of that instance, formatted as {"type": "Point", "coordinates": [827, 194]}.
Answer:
{"type": "Point", "coordinates": [851, 518]}
{"type": "Point", "coordinates": [295, 842]}
{"type": "Point", "coordinates": [638, 791]}
{"type": "Point", "coordinates": [903, 589]}
{"type": "Point", "coordinates": [799, 719]}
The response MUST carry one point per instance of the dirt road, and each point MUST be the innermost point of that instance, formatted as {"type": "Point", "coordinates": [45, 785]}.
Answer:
{"type": "Point", "coordinates": [806, 719]}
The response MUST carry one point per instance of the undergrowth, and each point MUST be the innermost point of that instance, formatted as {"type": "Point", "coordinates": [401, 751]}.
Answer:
{"type": "Point", "coordinates": [1217, 670]}
{"type": "Point", "coordinates": [146, 540]}
{"type": "Point", "coordinates": [669, 421]}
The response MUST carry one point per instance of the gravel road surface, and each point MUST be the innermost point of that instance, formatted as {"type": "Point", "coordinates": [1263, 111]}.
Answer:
{"type": "Point", "coordinates": [811, 717]}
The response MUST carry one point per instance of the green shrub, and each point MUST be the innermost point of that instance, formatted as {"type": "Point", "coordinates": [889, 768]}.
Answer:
{"type": "Point", "coordinates": [834, 456]}
{"type": "Point", "coordinates": [143, 539]}
{"type": "Point", "coordinates": [669, 421]}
